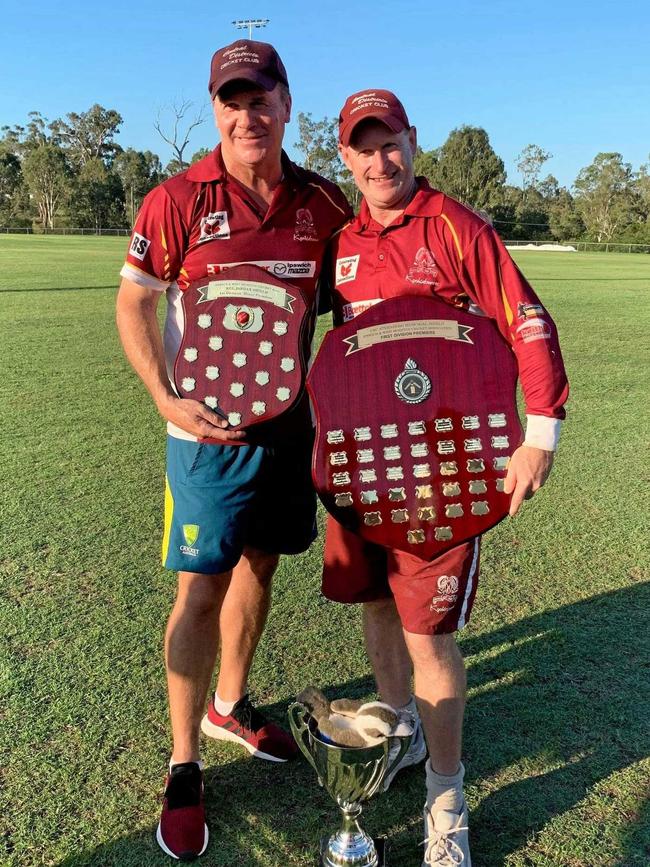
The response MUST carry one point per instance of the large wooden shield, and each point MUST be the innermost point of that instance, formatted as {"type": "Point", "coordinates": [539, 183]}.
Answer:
{"type": "Point", "coordinates": [415, 405]}
{"type": "Point", "coordinates": [243, 347]}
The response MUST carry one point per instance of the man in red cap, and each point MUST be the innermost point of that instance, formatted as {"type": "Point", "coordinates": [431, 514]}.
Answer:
{"type": "Point", "coordinates": [411, 239]}
{"type": "Point", "coordinates": [244, 203]}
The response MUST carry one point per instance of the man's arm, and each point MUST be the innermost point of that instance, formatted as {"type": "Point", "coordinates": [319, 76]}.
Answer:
{"type": "Point", "coordinates": [140, 334]}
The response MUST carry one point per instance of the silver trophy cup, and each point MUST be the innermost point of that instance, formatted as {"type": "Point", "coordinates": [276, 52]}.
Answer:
{"type": "Point", "coordinates": [351, 775]}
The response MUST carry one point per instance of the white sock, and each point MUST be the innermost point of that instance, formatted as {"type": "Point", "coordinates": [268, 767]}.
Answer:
{"type": "Point", "coordinates": [173, 762]}
{"type": "Point", "coordinates": [410, 707]}
{"type": "Point", "coordinates": [223, 707]}
{"type": "Point", "coordinates": [444, 792]}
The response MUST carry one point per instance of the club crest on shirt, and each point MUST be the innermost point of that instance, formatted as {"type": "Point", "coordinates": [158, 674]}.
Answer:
{"type": "Point", "coordinates": [214, 226]}
{"type": "Point", "coordinates": [423, 269]}
{"type": "Point", "coordinates": [447, 594]}
{"type": "Point", "coordinates": [305, 229]}
{"type": "Point", "coordinates": [346, 269]}
{"type": "Point", "coordinates": [529, 311]}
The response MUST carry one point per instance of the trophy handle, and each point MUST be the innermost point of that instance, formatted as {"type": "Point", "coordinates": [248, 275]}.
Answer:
{"type": "Point", "coordinates": [298, 714]}
{"type": "Point", "coordinates": [404, 744]}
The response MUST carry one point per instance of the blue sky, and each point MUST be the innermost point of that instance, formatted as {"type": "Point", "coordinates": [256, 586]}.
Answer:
{"type": "Point", "coordinates": [572, 77]}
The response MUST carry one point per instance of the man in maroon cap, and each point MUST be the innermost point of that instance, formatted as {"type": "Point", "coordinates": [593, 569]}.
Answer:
{"type": "Point", "coordinates": [410, 239]}
{"type": "Point", "coordinates": [224, 529]}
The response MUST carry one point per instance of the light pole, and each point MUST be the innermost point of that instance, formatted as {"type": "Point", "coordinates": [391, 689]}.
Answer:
{"type": "Point", "coordinates": [250, 23]}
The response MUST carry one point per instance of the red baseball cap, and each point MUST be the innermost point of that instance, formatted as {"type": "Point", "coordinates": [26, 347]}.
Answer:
{"type": "Point", "coordinates": [381, 105]}
{"type": "Point", "coordinates": [257, 62]}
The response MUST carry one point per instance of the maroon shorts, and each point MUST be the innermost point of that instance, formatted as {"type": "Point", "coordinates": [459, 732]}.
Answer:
{"type": "Point", "coordinates": [433, 597]}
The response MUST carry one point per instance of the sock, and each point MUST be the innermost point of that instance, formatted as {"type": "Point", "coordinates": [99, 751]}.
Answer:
{"type": "Point", "coordinates": [443, 792]}
{"type": "Point", "coordinates": [200, 763]}
{"type": "Point", "coordinates": [223, 707]}
{"type": "Point", "coordinates": [410, 707]}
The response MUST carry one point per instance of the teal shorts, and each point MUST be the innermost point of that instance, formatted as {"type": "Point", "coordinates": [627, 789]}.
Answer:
{"type": "Point", "coordinates": [220, 499]}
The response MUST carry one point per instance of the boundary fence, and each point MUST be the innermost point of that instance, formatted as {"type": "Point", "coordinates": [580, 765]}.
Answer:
{"type": "Point", "coordinates": [587, 246]}
{"type": "Point", "coordinates": [584, 246]}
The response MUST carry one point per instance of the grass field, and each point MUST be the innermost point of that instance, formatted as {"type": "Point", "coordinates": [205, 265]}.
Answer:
{"type": "Point", "coordinates": [558, 717]}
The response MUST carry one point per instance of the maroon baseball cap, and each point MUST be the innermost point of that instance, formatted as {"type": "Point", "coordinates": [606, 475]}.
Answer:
{"type": "Point", "coordinates": [381, 105]}
{"type": "Point", "coordinates": [257, 62]}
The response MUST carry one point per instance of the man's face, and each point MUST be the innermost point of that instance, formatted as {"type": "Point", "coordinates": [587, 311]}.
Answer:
{"type": "Point", "coordinates": [381, 162]}
{"type": "Point", "coordinates": [251, 122]}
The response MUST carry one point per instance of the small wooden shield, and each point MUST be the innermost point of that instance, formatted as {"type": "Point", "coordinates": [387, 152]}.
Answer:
{"type": "Point", "coordinates": [243, 346]}
{"type": "Point", "coordinates": [416, 416]}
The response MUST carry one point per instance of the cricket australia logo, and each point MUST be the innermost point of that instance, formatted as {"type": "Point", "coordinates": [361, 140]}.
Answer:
{"type": "Point", "coordinates": [423, 269]}
{"type": "Point", "coordinates": [214, 226]}
{"type": "Point", "coordinates": [305, 229]}
{"type": "Point", "coordinates": [190, 534]}
{"type": "Point", "coordinates": [412, 385]}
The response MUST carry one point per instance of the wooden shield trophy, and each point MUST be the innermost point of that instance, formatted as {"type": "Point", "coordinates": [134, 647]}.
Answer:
{"type": "Point", "coordinates": [242, 351]}
{"type": "Point", "coordinates": [416, 417]}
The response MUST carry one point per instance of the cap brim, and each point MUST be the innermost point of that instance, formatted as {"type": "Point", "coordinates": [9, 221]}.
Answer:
{"type": "Point", "coordinates": [258, 78]}
{"type": "Point", "coordinates": [391, 122]}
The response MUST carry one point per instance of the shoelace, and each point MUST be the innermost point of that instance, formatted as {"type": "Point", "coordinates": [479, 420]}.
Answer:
{"type": "Point", "coordinates": [447, 852]}
{"type": "Point", "coordinates": [247, 715]}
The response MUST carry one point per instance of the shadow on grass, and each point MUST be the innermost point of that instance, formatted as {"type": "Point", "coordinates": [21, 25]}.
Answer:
{"type": "Point", "coordinates": [564, 690]}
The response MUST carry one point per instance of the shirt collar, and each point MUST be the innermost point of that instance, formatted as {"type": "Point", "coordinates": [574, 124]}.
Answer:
{"type": "Point", "coordinates": [211, 168]}
{"type": "Point", "coordinates": [426, 202]}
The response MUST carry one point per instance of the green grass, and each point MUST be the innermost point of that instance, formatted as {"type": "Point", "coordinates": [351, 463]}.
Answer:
{"type": "Point", "coordinates": [556, 739]}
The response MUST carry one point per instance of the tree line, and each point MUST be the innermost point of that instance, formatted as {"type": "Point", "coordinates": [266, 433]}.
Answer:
{"type": "Point", "coordinates": [72, 172]}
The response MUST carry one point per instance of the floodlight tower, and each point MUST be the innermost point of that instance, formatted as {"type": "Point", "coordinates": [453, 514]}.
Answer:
{"type": "Point", "coordinates": [250, 23]}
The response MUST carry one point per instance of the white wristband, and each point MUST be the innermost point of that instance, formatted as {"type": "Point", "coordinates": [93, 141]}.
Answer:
{"type": "Point", "coordinates": [542, 432]}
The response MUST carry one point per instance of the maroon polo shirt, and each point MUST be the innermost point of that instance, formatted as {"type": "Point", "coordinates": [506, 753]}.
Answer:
{"type": "Point", "coordinates": [203, 221]}
{"type": "Point", "coordinates": [438, 246]}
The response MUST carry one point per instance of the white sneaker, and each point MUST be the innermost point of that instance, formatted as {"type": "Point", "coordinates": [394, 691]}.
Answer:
{"type": "Point", "coordinates": [446, 839]}
{"type": "Point", "coordinates": [416, 752]}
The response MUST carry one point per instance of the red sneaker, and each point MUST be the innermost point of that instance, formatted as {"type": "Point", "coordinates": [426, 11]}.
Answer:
{"type": "Point", "coordinates": [245, 725]}
{"type": "Point", "coordinates": [182, 832]}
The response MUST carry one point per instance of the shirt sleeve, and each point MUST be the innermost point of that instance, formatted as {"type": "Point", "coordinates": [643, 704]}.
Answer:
{"type": "Point", "coordinates": [493, 281]}
{"type": "Point", "coordinates": [157, 244]}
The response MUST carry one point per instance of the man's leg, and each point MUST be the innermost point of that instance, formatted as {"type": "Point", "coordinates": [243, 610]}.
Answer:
{"type": "Point", "coordinates": [387, 651]}
{"type": "Point", "coordinates": [243, 617]}
{"type": "Point", "coordinates": [440, 685]}
{"type": "Point", "coordinates": [191, 643]}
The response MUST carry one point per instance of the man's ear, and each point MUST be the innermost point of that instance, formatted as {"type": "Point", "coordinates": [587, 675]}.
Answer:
{"type": "Point", "coordinates": [343, 153]}
{"type": "Point", "coordinates": [288, 104]}
{"type": "Point", "coordinates": [413, 140]}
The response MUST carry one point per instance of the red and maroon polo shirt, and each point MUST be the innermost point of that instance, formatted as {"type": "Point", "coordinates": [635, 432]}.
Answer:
{"type": "Point", "coordinates": [438, 246]}
{"type": "Point", "coordinates": [202, 221]}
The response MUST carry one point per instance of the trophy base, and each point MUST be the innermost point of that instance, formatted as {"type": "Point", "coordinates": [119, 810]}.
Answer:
{"type": "Point", "coordinates": [381, 846]}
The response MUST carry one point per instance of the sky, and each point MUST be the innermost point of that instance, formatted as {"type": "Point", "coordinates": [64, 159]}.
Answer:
{"type": "Point", "coordinates": [572, 77]}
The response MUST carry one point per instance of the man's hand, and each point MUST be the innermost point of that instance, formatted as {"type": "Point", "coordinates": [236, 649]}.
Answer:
{"type": "Point", "coordinates": [528, 470]}
{"type": "Point", "coordinates": [196, 418]}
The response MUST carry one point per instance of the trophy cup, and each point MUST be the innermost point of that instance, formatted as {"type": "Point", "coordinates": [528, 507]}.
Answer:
{"type": "Point", "coordinates": [351, 775]}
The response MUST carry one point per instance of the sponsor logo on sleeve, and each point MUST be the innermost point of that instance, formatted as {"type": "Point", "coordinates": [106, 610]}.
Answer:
{"type": "Point", "coordinates": [529, 311]}
{"type": "Point", "coordinates": [139, 246]}
{"type": "Point", "coordinates": [534, 329]}
{"type": "Point", "coordinates": [214, 226]}
{"type": "Point", "coordinates": [346, 269]}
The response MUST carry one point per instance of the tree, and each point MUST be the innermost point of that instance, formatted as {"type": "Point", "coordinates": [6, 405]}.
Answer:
{"type": "Point", "coordinates": [529, 163]}
{"type": "Point", "coordinates": [139, 172]}
{"type": "Point", "coordinates": [13, 200]}
{"type": "Point", "coordinates": [175, 137]}
{"type": "Point", "coordinates": [564, 220]}
{"type": "Point", "coordinates": [47, 175]}
{"type": "Point", "coordinates": [425, 164]}
{"type": "Point", "coordinates": [318, 143]}
{"type": "Point", "coordinates": [468, 169]}
{"type": "Point", "coordinates": [89, 135]}
{"type": "Point", "coordinates": [604, 196]}
{"type": "Point", "coordinates": [98, 197]}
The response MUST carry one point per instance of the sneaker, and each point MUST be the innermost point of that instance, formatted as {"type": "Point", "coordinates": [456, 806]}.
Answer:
{"type": "Point", "coordinates": [245, 725]}
{"type": "Point", "coordinates": [182, 832]}
{"type": "Point", "coordinates": [446, 842]}
{"type": "Point", "coordinates": [416, 753]}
